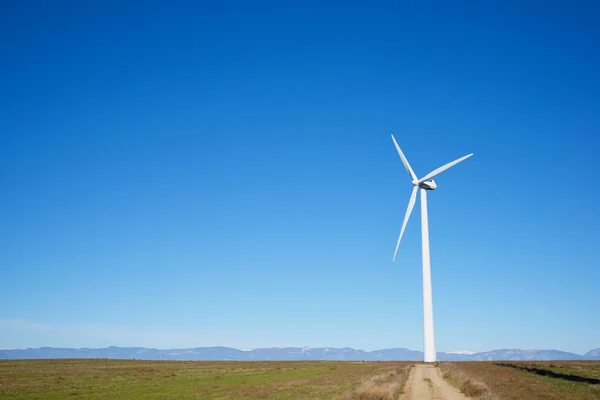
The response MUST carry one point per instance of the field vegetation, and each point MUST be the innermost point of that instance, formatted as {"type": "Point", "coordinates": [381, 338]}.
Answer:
{"type": "Point", "coordinates": [131, 379]}
{"type": "Point", "coordinates": [388, 386]}
{"type": "Point", "coordinates": [293, 380]}
{"type": "Point", "coordinates": [549, 380]}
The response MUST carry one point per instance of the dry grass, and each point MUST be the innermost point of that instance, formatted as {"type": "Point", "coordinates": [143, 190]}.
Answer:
{"type": "Point", "coordinates": [386, 386]}
{"type": "Point", "coordinates": [130, 379]}
{"type": "Point", "coordinates": [466, 381]}
{"type": "Point", "coordinates": [515, 380]}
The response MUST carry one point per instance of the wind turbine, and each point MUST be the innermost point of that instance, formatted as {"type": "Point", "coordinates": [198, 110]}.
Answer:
{"type": "Point", "coordinates": [426, 183]}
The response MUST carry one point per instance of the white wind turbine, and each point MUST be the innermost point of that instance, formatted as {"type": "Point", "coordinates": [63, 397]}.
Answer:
{"type": "Point", "coordinates": [425, 184]}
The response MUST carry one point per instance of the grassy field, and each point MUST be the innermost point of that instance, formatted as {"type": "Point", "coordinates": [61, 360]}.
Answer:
{"type": "Point", "coordinates": [130, 379]}
{"type": "Point", "coordinates": [548, 380]}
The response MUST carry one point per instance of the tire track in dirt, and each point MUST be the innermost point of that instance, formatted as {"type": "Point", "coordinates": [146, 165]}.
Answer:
{"type": "Point", "coordinates": [426, 383]}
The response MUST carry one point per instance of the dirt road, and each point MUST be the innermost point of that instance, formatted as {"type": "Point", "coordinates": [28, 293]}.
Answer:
{"type": "Point", "coordinates": [426, 383]}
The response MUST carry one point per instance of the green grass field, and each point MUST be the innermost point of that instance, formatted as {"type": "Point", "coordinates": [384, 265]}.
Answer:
{"type": "Point", "coordinates": [134, 379]}
{"type": "Point", "coordinates": [130, 379]}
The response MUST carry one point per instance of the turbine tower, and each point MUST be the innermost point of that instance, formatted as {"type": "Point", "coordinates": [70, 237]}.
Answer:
{"type": "Point", "coordinates": [426, 183]}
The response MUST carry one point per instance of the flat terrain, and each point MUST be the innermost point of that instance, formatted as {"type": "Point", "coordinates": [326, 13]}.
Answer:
{"type": "Point", "coordinates": [312, 380]}
{"type": "Point", "coordinates": [548, 380]}
{"type": "Point", "coordinates": [131, 379]}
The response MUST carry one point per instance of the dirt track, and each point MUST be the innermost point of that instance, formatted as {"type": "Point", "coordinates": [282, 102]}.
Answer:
{"type": "Point", "coordinates": [426, 383]}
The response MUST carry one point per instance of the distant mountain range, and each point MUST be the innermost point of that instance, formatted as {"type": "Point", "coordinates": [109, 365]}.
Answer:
{"type": "Point", "coordinates": [289, 353]}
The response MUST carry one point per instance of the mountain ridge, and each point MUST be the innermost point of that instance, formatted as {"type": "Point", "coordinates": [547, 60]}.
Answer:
{"type": "Point", "coordinates": [223, 353]}
{"type": "Point", "coordinates": [593, 353]}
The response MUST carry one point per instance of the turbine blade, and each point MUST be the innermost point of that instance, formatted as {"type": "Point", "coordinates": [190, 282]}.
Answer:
{"type": "Point", "coordinates": [411, 204]}
{"type": "Point", "coordinates": [443, 168]}
{"type": "Point", "coordinates": [404, 160]}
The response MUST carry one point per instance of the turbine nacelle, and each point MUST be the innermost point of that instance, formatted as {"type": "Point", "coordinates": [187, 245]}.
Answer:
{"type": "Point", "coordinates": [428, 185]}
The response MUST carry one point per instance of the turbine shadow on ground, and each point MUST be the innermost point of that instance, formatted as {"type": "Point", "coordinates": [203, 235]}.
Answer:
{"type": "Point", "coordinates": [552, 374]}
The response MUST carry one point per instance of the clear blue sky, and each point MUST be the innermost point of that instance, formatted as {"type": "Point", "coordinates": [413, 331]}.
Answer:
{"type": "Point", "coordinates": [178, 176]}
